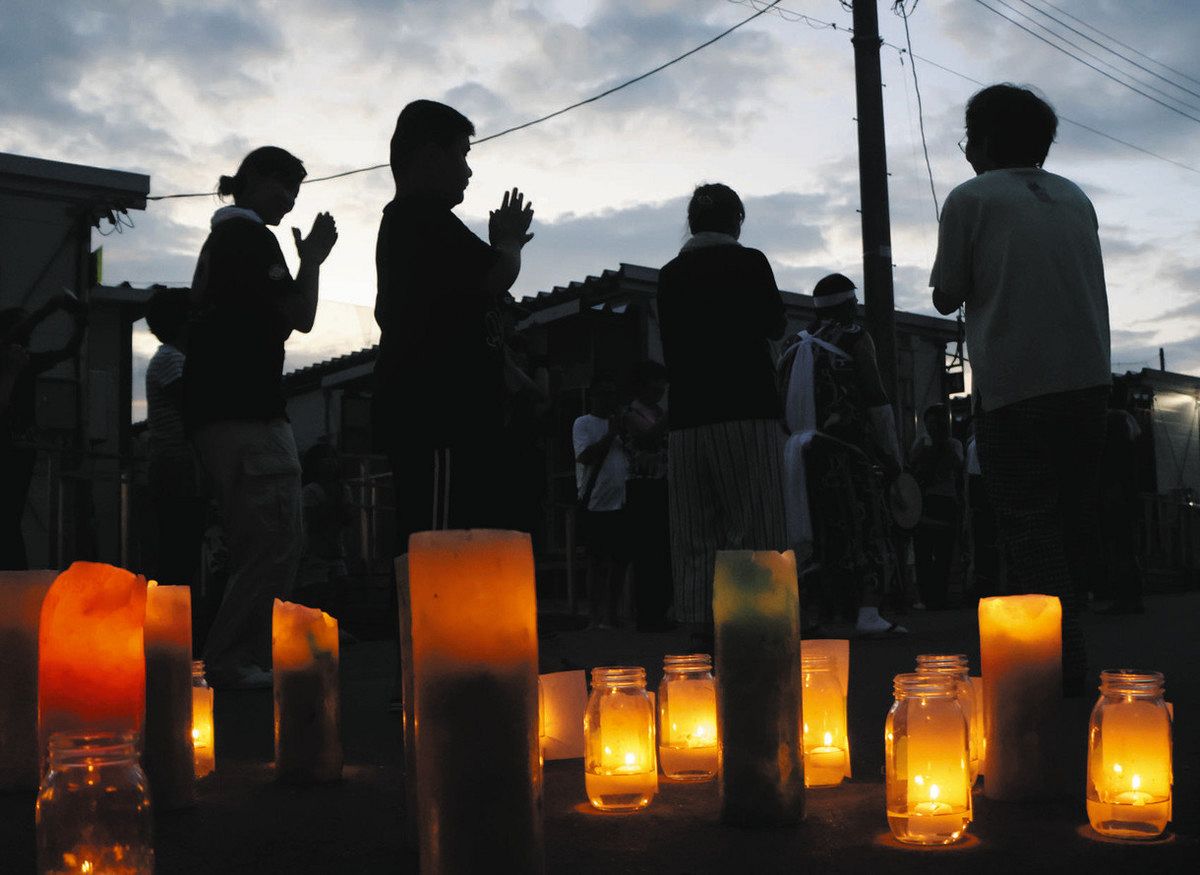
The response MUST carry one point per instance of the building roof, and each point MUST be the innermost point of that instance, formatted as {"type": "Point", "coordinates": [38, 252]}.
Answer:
{"type": "Point", "coordinates": [595, 292]}
{"type": "Point", "coordinates": [95, 186]}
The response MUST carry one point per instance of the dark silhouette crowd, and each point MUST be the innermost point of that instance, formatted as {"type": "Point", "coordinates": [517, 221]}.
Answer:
{"type": "Point", "coordinates": [743, 437]}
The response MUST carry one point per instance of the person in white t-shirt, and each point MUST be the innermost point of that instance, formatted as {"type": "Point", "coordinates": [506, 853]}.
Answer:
{"type": "Point", "coordinates": [1019, 248]}
{"type": "Point", "coordinates": [601, 471]}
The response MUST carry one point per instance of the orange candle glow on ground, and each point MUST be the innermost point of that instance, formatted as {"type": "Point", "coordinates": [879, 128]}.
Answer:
{"type": "Point", "coordinates": [21, 596]}
{"type": "Point", "coordinates": [167, 750]}
{"type": "Point", "coordinates": [473, 625]}
{"type": "Point", "coordinates": [91, 661]}
{"type": "Point", "coordinates": [1020, 644]}
{"type": "Point", "coordinates": [304, 659]}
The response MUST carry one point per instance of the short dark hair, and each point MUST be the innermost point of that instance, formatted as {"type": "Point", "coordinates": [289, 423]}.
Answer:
{"type": "Point", "coordinates": [263, 161]}
{"type": "Point", "coordinates": [647, 372]}
{"type": "Point", "coordinates": [1018, 125]}
{"type": "Point", "coordinates": [423, 122]}
{"type": "Point", "coordinates": [167, 313]}
{"type": "Point", "coordinates": [715, 207]}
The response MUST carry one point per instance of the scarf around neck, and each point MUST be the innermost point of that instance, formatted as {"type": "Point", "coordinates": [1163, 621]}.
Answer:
{"type": "Point", "coordinates": [709, 238]}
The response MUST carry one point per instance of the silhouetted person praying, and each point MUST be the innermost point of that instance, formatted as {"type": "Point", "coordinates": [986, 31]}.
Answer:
{"type": "Point", "coordinates": [438, 406]}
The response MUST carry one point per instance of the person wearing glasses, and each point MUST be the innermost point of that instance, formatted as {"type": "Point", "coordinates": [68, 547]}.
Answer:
{"type": "Point", "coordinates": [1018, 248]}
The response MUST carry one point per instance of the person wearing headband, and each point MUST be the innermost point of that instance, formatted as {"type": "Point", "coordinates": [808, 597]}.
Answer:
{"type": "Point", "coordinates": [842, 432]}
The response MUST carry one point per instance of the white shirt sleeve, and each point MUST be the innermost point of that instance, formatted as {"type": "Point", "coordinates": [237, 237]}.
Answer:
{"type": "Point", "coordinates": [952, 266]}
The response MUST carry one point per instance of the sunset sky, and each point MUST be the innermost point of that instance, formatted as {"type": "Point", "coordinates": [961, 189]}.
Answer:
{"type": "Point", "coordinates": [182, 90]}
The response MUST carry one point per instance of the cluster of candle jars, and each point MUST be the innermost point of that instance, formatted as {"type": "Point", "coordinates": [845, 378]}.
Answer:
{"type": "Point", "coordinates": [1129, 771]}
{"type": "Point", "coordinates": [927, 771]}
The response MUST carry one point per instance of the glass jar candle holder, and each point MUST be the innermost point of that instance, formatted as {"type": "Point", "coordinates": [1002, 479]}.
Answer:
{"type": "Point", "coordinates": [928, 779]}
{"type": "Point", "coordinates": [824, 722]}
{"type": "Point", "coordinates": [204, 738]}
{"type": "Point", "coordinates": [956, 665]}
{"type": "Point", "coordinates": [93, 808]}
{"type": "Point", "coordinates": [620, 768]}
{"type": "Point", "coordinates": [687, 718]}
{"type": "Point", "coordinates": [1129, 774]}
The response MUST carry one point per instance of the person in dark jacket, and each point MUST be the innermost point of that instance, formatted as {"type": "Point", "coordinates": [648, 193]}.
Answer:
{"type": "Point", "coordinates": [719, 310]}
{"type": "Point", "coordinates": [244, 306]}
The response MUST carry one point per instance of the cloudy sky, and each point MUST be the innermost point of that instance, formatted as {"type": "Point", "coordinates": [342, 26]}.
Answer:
{"type": "Point", "coordinates": [182, 89]}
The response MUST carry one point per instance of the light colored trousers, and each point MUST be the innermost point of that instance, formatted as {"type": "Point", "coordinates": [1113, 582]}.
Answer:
{"type": "Point", "coordinates": [252, 470]}
{"type": "Point", "coordinates": [726, 493]}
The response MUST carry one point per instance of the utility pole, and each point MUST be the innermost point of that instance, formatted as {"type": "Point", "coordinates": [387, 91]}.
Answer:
{"type": "Point", "coordinates": [873, 188]}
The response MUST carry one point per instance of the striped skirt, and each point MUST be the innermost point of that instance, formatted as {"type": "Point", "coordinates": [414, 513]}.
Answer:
{"type": "Point", "coordinates": [726, 493]}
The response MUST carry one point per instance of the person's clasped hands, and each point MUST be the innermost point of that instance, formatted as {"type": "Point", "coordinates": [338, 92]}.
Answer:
{"type": "Point", "coordinates": [509, 224]}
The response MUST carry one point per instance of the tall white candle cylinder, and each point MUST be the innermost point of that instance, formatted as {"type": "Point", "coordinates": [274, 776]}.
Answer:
{"type": "Point", "coordinates": [1020, 644]}
{"type": "Point", "coordinates": [21, 595]}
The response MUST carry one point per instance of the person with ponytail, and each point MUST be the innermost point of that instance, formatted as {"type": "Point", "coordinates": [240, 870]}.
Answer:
{"type": "Point", "coordinates": [245, 303]}
{"type": "Point", "coordinates": [719, 309]}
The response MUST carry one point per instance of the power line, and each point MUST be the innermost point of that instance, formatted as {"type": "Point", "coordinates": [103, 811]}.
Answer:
{"type": "Point", "coordinates": [536, 121]}
{"type": "Point", "coordinates": [1111, 51]}
{"type": "Point", "coordinates": [1104, 73]}
{"type": "Point", "coordinates": [903, 13]}
{"type": "Point", "coordinates": [1093, 56]}
{"type": "Point", "coordinates": [1121, 44]}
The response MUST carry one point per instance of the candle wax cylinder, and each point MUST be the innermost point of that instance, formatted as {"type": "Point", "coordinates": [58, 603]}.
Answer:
{"type": "Point", "coordinates": [304, 659]}
{"type": "Point", "coordinates": [408, 700]}
{"type": "Point", "coordinates": [756, 612]}
{"type": "Point", "coordinates": [203, 737]}
{"type": "Point", "coordinates": [1020, 643]}
{"type": "Point", "coordinates": [167, 746]}
{"type": "Point", "coordinates": [21, 596]}
{"type": "Point", "coordinates": [473, 622]}
{"type": "Point", "coordinates": [91, 658]}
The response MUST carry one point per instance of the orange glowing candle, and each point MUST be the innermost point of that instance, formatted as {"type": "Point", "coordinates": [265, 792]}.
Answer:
{"type": "Point", "coordinates": [1129, 780]}
{"type": "Point", "coordinates": [1020, 644]}
{"type": "Point", "coordinates": [204, 741]}
{"type": "Point", "coordinates": [824, 722]}
{"type": "Point", "coordinates": [688, 744]}
{"type": "Point", "coordinates": [91, 660]}
{"type": "Point", "coordinates": [304, 659]}
{"type": "Point", "coordinates": [168, 754]}
{"type": "Point", "coordinates": [21, 596]}
{"type": "Point", "coordinates": [473, 622]}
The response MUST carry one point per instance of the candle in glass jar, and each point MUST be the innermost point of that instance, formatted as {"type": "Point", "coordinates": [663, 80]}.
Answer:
{"type": "Point", "coordinates": [1020, 644]}
{"type": "Point", "coordinates": [204, 741]}
{"type": "Point", "coordinates": [927, 774]}
{"type": "Point", "coordinates": [21, 596]}
{"type": "Point", "coordinates": [1129, 780]}
{"type": "Point", "coordinates": [91, 657]}
{"type": "Point", "coordinates": [687, 724]}
{"type": "Point", "coordinates": [620, 770]}
{"type": "Point", "coordinates": [823, 722]}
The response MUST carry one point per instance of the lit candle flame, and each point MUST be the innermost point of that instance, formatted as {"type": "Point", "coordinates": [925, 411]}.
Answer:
{"type": "Point", "coordinates": [934, 791]}
{"type": "Point", "coordinates": [1137, 782]}
{"type": "Point", "coordinates": [829, 739]}
{"type": "Point", "coordinates": [195, 735]}
{"type": "Point", "coordinates": [630, 759]}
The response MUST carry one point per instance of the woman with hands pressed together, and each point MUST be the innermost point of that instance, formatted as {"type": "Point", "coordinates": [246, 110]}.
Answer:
{"type": "Point", "coordinates": [244, 306]}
